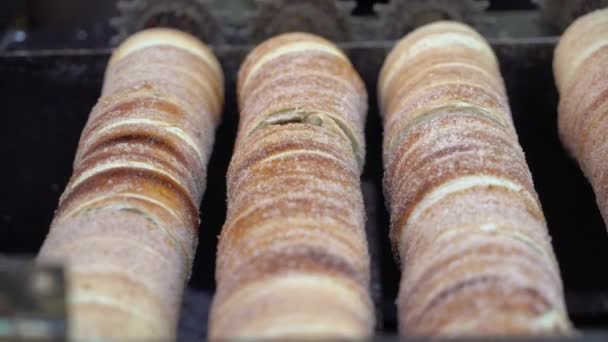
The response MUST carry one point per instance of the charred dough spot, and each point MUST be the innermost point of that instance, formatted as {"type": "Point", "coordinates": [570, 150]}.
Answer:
{"type": "Point", "coordinates": [319, 119]}
{"type": "Point", "coordinates": [129, 175]}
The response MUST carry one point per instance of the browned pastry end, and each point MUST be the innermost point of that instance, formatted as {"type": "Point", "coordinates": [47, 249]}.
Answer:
{"type": "Point", "coordinates": [292, 258]}
{"type": "Point", "coordinates": [580, 66]}
{"type": "Point", "coordinates": [466, 223]}
{"type": "Point", "coordinates": [127, 222]}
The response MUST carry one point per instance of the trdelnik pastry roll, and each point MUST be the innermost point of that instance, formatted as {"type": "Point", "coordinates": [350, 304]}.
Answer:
{"type": "Point", "coordinates": [292, 259]}
{"type": "Point", "coordinates": [466, 222]}
{"type": "Point", "coordinates": [127, 222]}
{"type": "Point", "coordinates": [581, 72]}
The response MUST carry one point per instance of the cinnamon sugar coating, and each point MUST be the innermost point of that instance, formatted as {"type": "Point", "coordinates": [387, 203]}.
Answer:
{"type": "Point", "coordinates": [127, 223]}
{"type": "Point", "coordinates": [581, 71]}
{"type": "Point", "coordinates": [466, 223]}
{"type": "Point", "coordinates": [292, 258]}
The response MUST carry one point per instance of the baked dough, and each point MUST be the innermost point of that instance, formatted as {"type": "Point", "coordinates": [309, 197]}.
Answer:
{"type": "Point", "coordinates": [127, 222]}
{"type": "Point", "coordinates": [581, 72]}
{"type": "Point", "coordinates": [466, 223]}
{"type": "Point", "coordinates": [292, 259]}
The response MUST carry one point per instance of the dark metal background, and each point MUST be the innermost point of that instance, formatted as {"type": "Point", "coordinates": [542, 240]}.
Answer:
{"type": "Point", "coordinates": [61, 24]}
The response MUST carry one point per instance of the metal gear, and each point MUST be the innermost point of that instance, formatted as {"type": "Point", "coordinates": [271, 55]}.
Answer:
{"type": "Point", "coordinates": [193, 16]}
{"type": "Point", "coordinates": [401, 16]}
{"type": "Point", "coordinates": [558, 14]}
{"type": "Point", "coordinates": [328, 18]}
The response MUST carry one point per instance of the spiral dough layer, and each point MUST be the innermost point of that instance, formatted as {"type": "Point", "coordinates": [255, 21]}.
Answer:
{"type": "Point", "coordinates": [127, 222]}
{"type": "Point", "coordinates": [466, 223]}
{"type": "Point", "coordinates": [292, 259]}
{"type": "Point", "coordinates": [580, 66]}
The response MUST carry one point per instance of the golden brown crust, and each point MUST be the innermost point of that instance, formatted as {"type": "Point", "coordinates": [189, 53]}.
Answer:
{"type": "Point", "coordinates": [580, 40]}
{"type": "Point", "coordinates": [466, 223]}
{"type": "Point", "coordinates": [418, 48]}
{"type": "Point", "coordinates": [448, 72]}
{"type": "Point", "coordinates": [422, 164]}
{"type": "Point", "coordinates": [510, 214]}
{"type": "Point", "coordinates": [295, 219]}
{"type": "Point", "coordinates": [314, 43]}
{"type": "Point", "coordinates": [155, 37]}
{"type": "Point", "coordinates": [98, 246]}
{"type": "Point", "coordinates": [580, 67]}
{"type": "Point", "coordinates": [336, 308]}
{"type": "Point", "coordinates": [587, 92]}
{"type": "Point", "coordinates": [299, 75]}
{"type": "Point", "coordinates": [333, 67]}
{"type": "Point", "coordinates": [148, 183]}
{"type": "Point", "coordinates": [127, 222]}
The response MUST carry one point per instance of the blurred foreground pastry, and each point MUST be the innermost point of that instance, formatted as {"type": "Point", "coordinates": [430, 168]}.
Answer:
{"type": "Point", "coordinates": [292, 258]}
{"type": "Point", "coordinates": [127, 222]}
{"type": "Point", "coordinates": [580, 66]}
{"type": "Point", "coordinates": [466, 223]}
